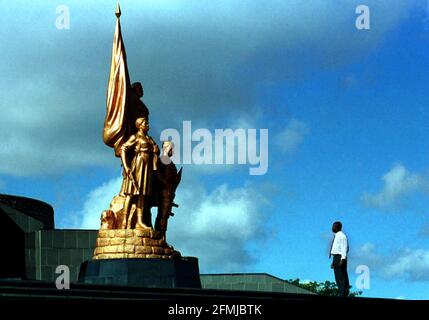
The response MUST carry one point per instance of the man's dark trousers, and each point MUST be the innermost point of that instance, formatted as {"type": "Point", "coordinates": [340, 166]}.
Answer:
{"type": "Point", "coordinates": [341, 276]}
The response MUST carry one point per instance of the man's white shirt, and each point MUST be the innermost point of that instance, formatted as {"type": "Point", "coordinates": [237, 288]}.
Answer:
{"type": "Point", "coordinates": [340, 245]}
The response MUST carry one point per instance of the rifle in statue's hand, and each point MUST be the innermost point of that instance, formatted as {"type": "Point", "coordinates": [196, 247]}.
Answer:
{"type": "Point", "coordinates": [130, 175]}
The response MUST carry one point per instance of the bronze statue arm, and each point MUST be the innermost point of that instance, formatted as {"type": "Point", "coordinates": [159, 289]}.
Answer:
{"type": "Point", "coordinates": [155, 147]}
{"type": "Point", "coordinates": [124, 148]}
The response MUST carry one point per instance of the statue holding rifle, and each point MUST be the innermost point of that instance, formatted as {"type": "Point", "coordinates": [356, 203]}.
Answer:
{"type": "Point", "coordinates": [139, 172]}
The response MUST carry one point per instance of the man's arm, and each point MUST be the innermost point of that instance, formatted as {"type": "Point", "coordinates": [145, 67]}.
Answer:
{"type": "Point", "coordinates": [344, 244]}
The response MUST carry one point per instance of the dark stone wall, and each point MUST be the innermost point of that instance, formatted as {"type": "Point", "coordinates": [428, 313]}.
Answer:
{"type": "Point", "coordinates": [32, 208]}
{"type": "Point", "coordinates": [12, 263]}
{"type": "Point", "coordinates": [41, 248]}
{"type": "Point", "coordinates": [30, 255]}
{"type": "Point", "coordinates": [64, 247]}
{"type": "Point", "coordinates": [22, 220]}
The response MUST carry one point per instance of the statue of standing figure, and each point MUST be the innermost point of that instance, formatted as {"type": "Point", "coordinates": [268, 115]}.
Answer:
{"type": "Point", "coordinates": [139, 176]}
{"type": "Point", "coordinates": [167, 179]}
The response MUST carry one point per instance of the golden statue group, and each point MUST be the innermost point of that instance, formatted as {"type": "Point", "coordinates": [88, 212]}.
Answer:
{"type": "Point", "coordinates": [150, 178]}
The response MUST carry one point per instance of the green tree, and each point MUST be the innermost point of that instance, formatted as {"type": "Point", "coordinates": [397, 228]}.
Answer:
{"type": "Point", "coordinates": [326, 288]}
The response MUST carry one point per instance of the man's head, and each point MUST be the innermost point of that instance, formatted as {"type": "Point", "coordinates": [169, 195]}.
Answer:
{"type": "Point", "coordinates": [138, 89]}
{"type": "Point", "coordinates": [337, 226]}
{"type": "Point", "coordinates": [167, 152]}
{"type": "Point", "coordinates": [142, 124]}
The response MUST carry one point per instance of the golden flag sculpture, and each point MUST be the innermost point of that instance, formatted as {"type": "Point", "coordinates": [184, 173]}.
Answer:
{"type": "Point", "coordinates": [126, 229]}
{"type": "Point", "coordinates": [116, 129]}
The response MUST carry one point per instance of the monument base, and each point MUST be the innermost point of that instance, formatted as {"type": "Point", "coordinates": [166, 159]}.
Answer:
{"type": "Point", "coordinates": [157, 273]}
{"type": "Point", "coordinates": [133, 243]}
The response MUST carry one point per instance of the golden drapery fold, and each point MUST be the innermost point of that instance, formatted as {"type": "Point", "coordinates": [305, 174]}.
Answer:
{"type": "Point", "coordinates": [116, 127]}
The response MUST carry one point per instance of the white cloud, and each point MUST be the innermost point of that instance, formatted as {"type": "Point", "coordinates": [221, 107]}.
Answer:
{"type": "Point", "coordinates": [366, 255]}
{"type": "Point", "coordinates": [407, 264]}
{"type": "Point", "coordinates": [412, 264]}
{"type": "Point", "coordinates": [215, 226]}
{"type": "Point", "coordinates": [366, 249]}
{"type": "Point", "coordinates": [397, 183]}
{"type": "Point", "coordinates": [97, 201]}
{"type": "Point", "coordinates": [292, 136]}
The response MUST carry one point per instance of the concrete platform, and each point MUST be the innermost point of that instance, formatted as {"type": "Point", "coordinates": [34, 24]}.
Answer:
{"type": "Point", "coordinates": [153, 273]}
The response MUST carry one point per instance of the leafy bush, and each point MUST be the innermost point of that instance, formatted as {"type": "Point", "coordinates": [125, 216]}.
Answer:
{"type": "Point", "coordinates": [326, 288]}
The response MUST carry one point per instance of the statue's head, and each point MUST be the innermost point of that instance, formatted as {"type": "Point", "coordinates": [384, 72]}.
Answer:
{"type": "Point", "coordinates": [138, 89]}
{"type": "Point", "coordinates": [167, 147]}
{"type": "Point", "coordinates": [142, 124]}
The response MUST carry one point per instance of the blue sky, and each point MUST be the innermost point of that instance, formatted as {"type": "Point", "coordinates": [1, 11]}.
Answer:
{"type": "Point", "coordinates": [346, 109]}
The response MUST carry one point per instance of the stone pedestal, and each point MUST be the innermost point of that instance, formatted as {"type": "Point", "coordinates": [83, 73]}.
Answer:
{"type": "Point", "coordinates": [156, 273]}
{"type": "Point", "coordinates": [132, 243]}
{"type": "Point", "coordinates": [139, 258]}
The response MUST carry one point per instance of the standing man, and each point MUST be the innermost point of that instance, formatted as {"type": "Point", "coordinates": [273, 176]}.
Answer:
{"type": "Point", "coordinates": [339, 250]}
